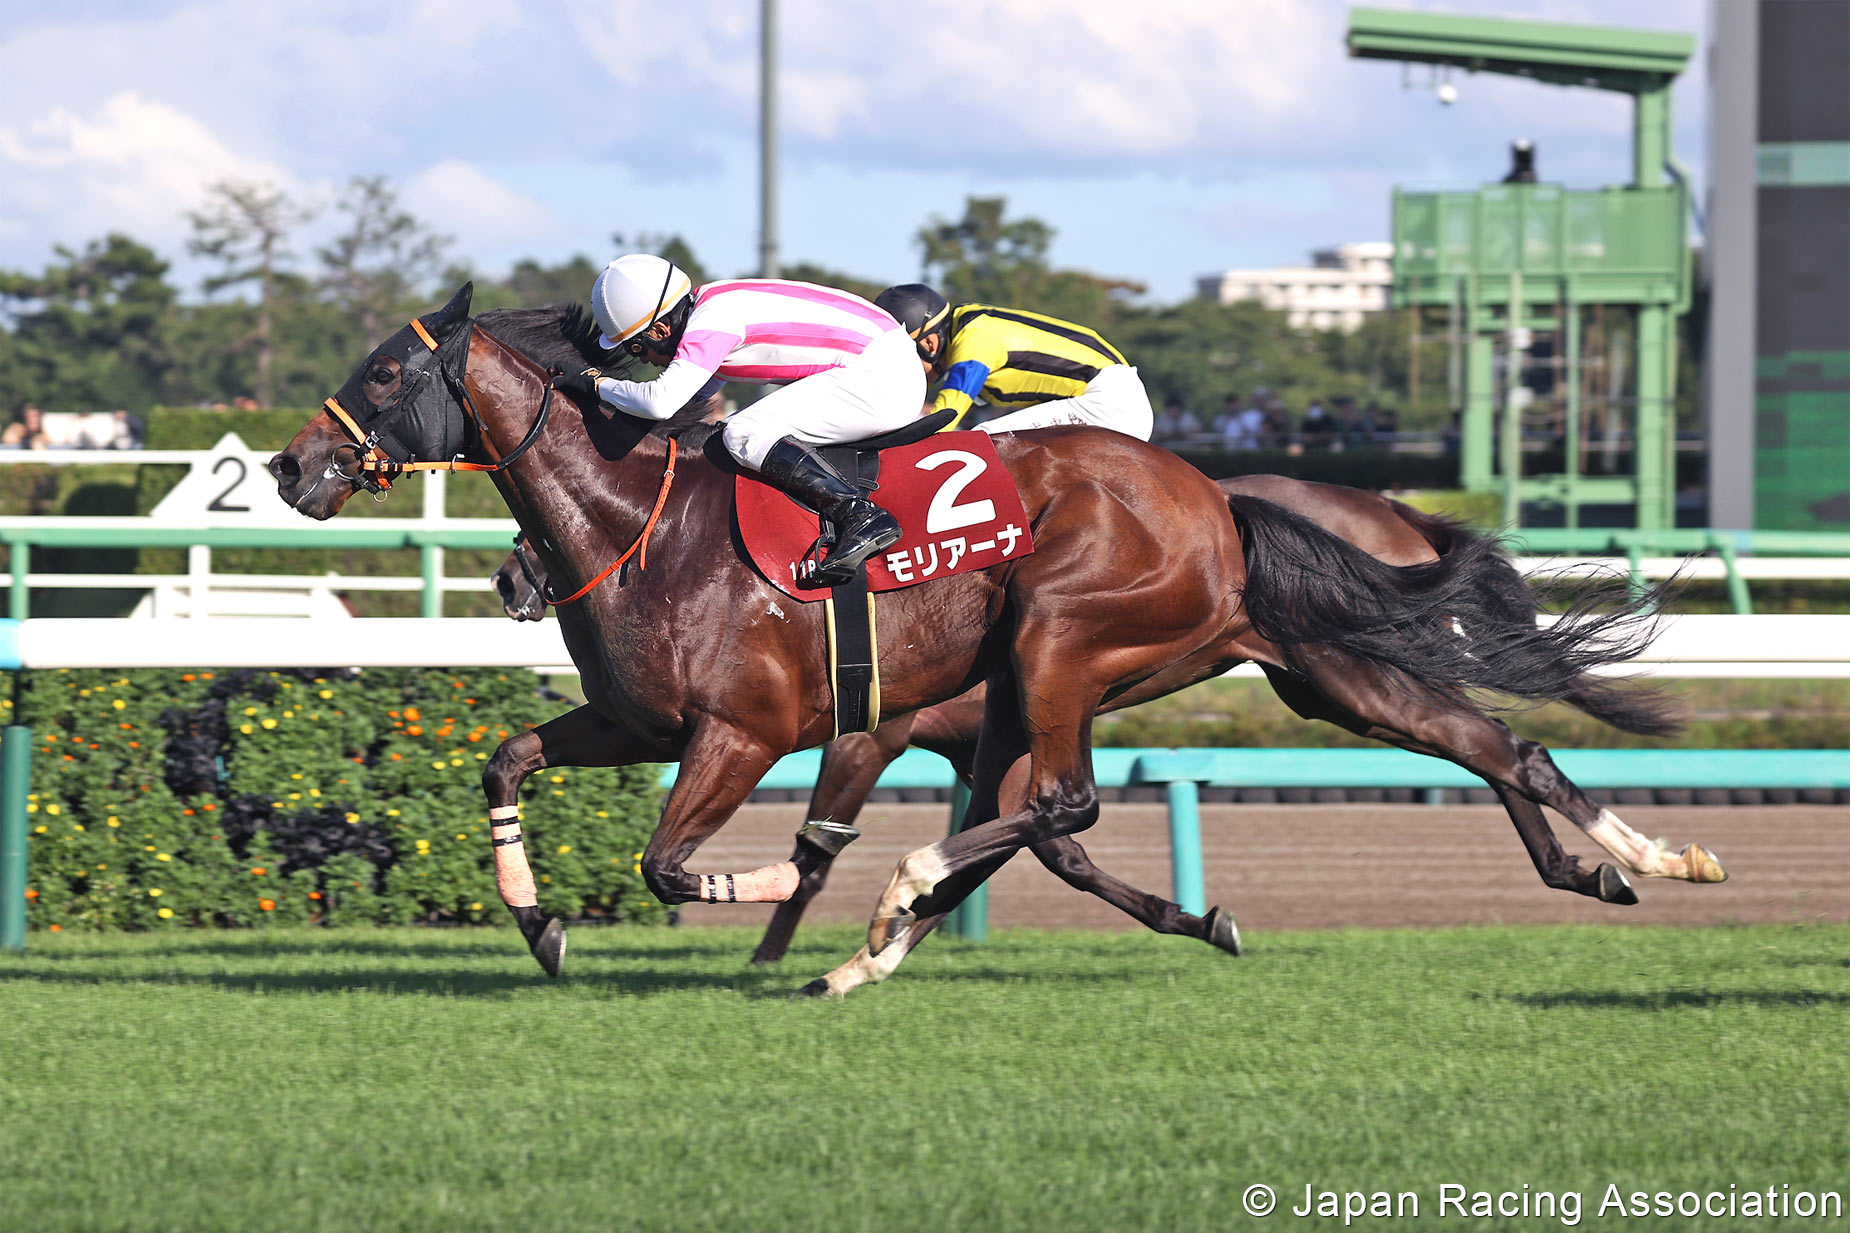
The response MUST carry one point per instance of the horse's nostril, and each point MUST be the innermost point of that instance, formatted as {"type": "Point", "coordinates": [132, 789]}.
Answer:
{"type": "Point", "coordinates": [504, 587]}
{"type": "Point", "coordinates": [285, 469]}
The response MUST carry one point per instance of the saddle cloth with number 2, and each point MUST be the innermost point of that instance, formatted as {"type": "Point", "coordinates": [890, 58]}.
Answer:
{"type": "Point", "coordinates": [955, 500]}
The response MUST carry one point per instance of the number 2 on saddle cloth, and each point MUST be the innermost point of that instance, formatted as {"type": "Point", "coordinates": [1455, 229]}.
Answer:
{"type": "Point", "coordinates": [953, 497]}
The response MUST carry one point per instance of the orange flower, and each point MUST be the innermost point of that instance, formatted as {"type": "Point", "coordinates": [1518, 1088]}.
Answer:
{"type": "Point", "coordinates": [187, 812]}
{"type": "Point", "coordinates": [187, 676]}
{"type": "Point", "coordinates": [314, 894]}
{"type": "Point", "coordinates": [31, 895]}
{"type": "Point", "coordinates": [445, 730]}
{"type": "Point", "coordinates": [391, 714]}
{"type": "Point", "coordinates": [205, 676]}
{"type": "Point", "coordinates": [258, 871]}
{"type": "Point", "coordinates": [268, 905]}
{"type": "Point", "coordinates": [397, 757]}
{"type": "Point", "coordinates": [411, 712]}
{"type": "Point", "coordinates": [134, 744]}
{"type": "Point", "coordinates": [414, 730]}
{"type": "Point", "coordinates": [209, 807]}
{"type": "Point", "coordinates": [57, 929]}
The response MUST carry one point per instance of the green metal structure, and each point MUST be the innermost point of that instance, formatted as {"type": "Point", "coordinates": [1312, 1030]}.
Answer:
{"type": "Point", "coordinates": [1510, 261]}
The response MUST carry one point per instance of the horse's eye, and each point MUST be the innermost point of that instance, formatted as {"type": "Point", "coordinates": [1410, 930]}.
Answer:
{"type": "Point", "coordinates": [379, 376]}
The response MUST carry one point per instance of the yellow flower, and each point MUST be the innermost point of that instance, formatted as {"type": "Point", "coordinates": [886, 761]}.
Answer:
{"type": "Point", "coordinates": [564, 848]}
{"type": "Point", "coordinates": [115, 821]}
{"type": "Point", "coordinates": [558, 791]}
{"type": "Point", "coordinates": [327, 693]}
{"type": "Point", "coordinates": [314, 791]}
{"type": "Point", "coordinates": [436, 766]}
{"type": "Point", "coordinates": [288, 714]}
{"type": "Point", "coordinates": [476, 906]}
{"type": "Point", "coordinates": [150, 848]}
{"type": "Point", "coordinates": [245, 729]}
{"type": "Point", "coordinates": [162, 856]}
{"type": "Point", "coordinates": [154, 892]}
{"type": "Point", "coordinates": [118, 704]}
{"type": "Point", "coordinates": [481, 757]}
{"type": "Point", "coordinates": [295, 796]}
{"type": "Point", "coordinates": [164, 913]}
{"type": "Point", "coordinates": [556, 779]}
{"type": "Point", "coordinates": [32, 808]}
{"type": "Point", "coordinates": [546, 878]}
{"type": "Point", "coordinates": [269, 723]}
{"type": "Point", "coordinates": [250, 710]}
{"type": "Point", "coordinates": [391, 813]}
{"type": "Point", "coordinates": [602, 814]}
{"type": "Point", "coordinates": [296, 775]}
{"type": "Point", "coordinates": [40, 830]}
{"type": "Point", "coordinates": [352, 817]}
{"type": "Point", "coordinates": [455, 761]}
{"type": "Point", "coordinates": [53, 810]}
{"type": "Point", "coordinates": [460, 835]}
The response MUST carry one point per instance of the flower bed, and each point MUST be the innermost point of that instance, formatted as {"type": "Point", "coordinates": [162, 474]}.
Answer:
{"type": "Point", "coordinates": [164, 798]}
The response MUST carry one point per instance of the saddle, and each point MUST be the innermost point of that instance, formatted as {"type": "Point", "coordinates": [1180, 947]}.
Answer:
{"type": "Point", "coordinates": [959, 510]}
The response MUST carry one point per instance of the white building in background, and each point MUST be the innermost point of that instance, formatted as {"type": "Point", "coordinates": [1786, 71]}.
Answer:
{"type": "Point", "coordinates": [1340, 286]}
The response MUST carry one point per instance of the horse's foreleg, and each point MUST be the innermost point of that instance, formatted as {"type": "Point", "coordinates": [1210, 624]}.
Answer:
{"type": "Point", "coordinates": [578, 738]}
{"type": "Point", "coordinates": [719, 769]}
{"type": "Point", "coordinates": [851, 765]}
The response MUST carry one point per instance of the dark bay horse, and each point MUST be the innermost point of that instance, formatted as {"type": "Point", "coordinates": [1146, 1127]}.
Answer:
{"type": "Point", "coordinates": [851, 764]}
{"type": "Point", "coordinates": [1141, 566]}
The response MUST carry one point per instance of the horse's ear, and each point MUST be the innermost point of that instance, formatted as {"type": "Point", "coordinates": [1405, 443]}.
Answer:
{"type": "Point", "coordinates": [444, 321]}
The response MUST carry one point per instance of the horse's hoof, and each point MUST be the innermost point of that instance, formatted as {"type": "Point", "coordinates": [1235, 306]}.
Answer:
{"type": "Point", "coordinates": [1613, 888]}
{"type": "Point", "coordinates": [886, 930]}
{"type": "Point", "coordinates": [1703, 867]}
{"type": "Point", "coordinates": [549, 947]}
{"type": "Point", "coordinates": [817, 988]}
{"type": "Point", "coordinates": [1222, 932]}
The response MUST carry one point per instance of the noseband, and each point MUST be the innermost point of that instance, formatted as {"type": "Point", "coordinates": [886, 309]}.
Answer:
{"type": "Point", "coordinates": [374, 469]}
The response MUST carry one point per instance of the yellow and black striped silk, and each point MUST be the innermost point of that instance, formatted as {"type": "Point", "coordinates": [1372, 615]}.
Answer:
{"type": "Point", "coordinates": [1014, 358]}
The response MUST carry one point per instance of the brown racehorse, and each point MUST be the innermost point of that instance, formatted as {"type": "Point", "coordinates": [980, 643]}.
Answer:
{"type": "Point", "coordinates": [1384, 528]}
{"type": "Point", "coordinates": [1138, 569]}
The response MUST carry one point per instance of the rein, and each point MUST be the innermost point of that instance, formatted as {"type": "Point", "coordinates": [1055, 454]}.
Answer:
{"type": "Point", "coordinates": [642, 541]}
{"type": "Point", "coordinates": [381, 467]}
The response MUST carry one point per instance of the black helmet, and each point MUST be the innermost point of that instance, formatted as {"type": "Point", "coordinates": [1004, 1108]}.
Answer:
{"type": "Point", "coordinates": [921, 312]}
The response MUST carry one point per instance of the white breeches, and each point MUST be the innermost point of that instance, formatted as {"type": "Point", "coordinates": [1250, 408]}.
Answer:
{"type": "Point", "coordinates": [878, 391]}
{"type": "Point", "coordinates": [1114, 399]}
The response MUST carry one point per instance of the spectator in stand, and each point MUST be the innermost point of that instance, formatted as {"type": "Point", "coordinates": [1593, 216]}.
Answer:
{"type": "Point", "coordinates": [28, 431]}
{"type": "Point", "coordinates": [1175, 424]}
{"type": "Point", "coordinates": [1319, 427]}
{"type": "Point", "coordinates": [1387, 422]}
{"type": "Point", "coordinates": [1364, 424]}
{"type": "Point", "coordinates": [1228, 413]}
{"type": "Point", "coordinates": [127, 431]}
{"type": "Point", "coordinates": [1252, 423]}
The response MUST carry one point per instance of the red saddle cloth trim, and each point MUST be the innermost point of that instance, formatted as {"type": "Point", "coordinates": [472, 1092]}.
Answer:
{"type": "Point", "coordinates": [953, 497]}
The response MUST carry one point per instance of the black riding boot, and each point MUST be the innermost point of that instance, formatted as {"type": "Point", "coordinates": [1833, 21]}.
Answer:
{"type": "Point", "coordinates": [860, 528]}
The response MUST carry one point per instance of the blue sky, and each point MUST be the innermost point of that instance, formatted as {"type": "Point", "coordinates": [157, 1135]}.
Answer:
{"type": "Point", "coordinates": [1203, 135]}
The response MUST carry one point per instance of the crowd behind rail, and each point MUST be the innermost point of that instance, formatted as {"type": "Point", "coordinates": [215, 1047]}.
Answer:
{"type": "Point", "coordinates": [33, 429]}
{"type": "Point", "coordinates": [1262, 421]}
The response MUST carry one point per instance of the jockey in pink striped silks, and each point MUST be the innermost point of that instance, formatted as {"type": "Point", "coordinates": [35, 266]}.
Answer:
{"type": "Point", "coordinates": [846, 371]}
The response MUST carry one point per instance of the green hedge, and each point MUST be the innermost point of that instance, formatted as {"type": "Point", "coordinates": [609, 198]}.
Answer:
{"type": "Point", "coordinates": [164, 799]}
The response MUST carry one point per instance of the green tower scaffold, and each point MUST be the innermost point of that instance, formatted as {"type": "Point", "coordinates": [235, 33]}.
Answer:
{"type": "Point", "coordinates": [1512, 261]}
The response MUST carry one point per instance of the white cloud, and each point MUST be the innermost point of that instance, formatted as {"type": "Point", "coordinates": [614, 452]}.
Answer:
{"type": "Point", "coordinates": [131, 164]}
{"type": "Point", "coordinates": [459, 199]}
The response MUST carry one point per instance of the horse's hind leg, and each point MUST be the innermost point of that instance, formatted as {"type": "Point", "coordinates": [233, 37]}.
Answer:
{"type": "Point", "coordinates": [1351, 694]}
{"type": "Point", "coordinates": [1067, 860]}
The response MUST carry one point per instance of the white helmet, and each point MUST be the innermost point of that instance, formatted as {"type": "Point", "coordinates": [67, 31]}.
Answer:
{"type": "Point", "coordinates": [635, 291]}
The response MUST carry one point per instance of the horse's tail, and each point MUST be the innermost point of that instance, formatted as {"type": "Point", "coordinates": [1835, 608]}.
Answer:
{"type": "Point", "coordinates": [1462, 625]}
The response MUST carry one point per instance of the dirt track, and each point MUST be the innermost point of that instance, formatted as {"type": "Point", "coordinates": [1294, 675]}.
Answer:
{"type": "Point", "coordinates": [1337, 866]}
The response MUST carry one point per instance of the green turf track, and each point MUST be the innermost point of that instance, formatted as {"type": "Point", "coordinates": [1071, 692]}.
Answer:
{"type": "Point", "coordinates": [422, 1079]}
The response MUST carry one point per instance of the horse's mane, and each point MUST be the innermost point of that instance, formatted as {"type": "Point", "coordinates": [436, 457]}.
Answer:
{"type": "Point", "coordinates": [565, 336]}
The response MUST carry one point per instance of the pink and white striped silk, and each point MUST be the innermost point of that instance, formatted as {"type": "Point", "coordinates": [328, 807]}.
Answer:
{"type": "Point", "coordinates": [768, 330]}
{"type": "Point", "coordinates": [775, 331]}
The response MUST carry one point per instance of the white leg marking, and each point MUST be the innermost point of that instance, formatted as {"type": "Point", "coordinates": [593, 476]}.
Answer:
{"type": "Point", "coordinates": [866, 969]}
{"type": "Point", "coordinates": [917, 873]}
{"type": "Point", "coordinates": [1653, 858]}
